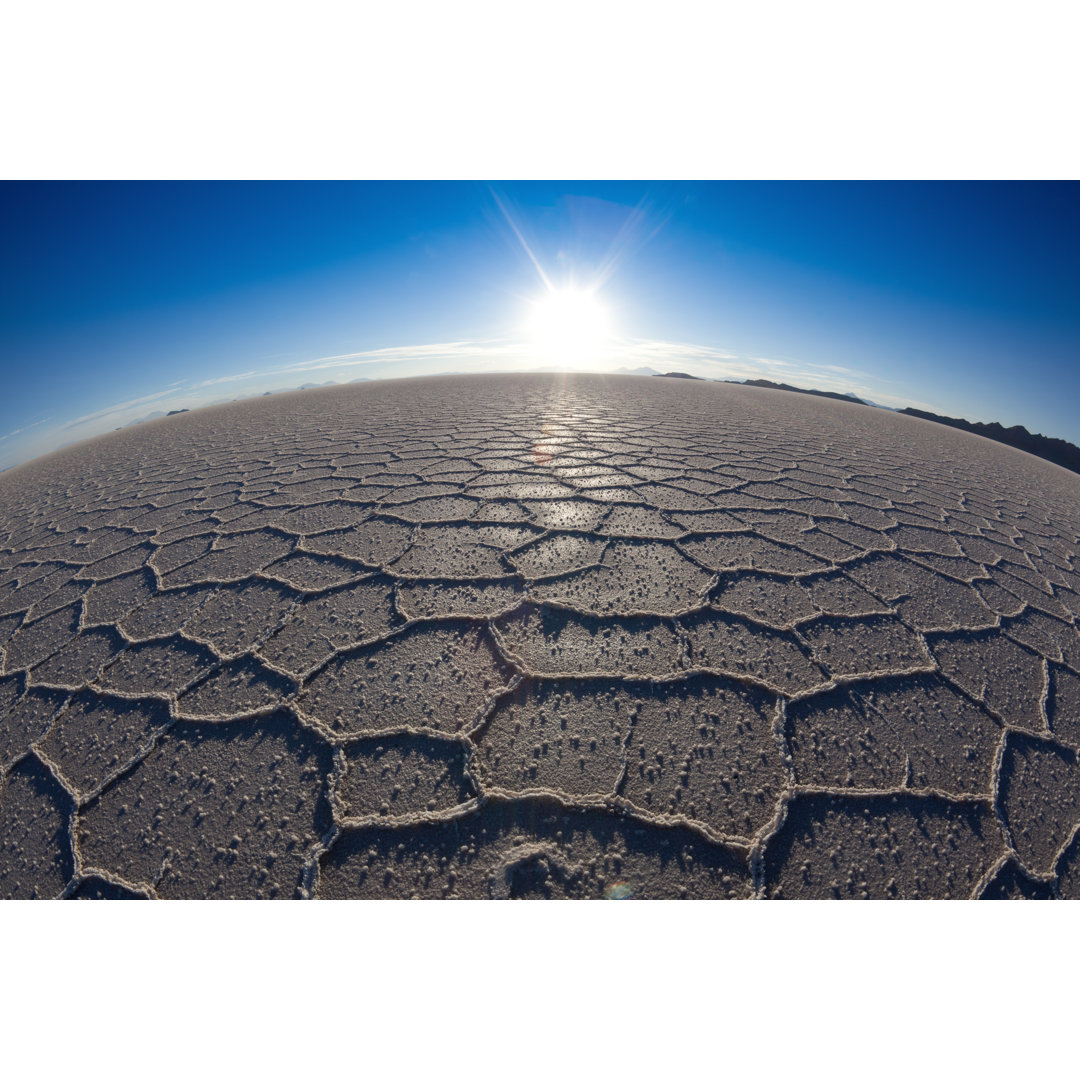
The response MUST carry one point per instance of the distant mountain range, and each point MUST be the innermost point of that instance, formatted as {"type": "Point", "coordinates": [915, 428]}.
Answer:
{"type": "Point", "coordinates": [1058, 451]}
{"type": "Point", "coordinates": [768, 385]}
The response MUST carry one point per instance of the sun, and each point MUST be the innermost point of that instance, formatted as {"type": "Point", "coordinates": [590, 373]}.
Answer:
{"type": "Point", "coordinates": [568, 325]}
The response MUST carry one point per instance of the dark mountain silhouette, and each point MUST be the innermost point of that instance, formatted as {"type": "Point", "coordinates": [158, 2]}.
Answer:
{"type": "Point", "coordinates": [769, 385]}
{"type": "Point", "coordinates": [676, 375]}
{"type": "Point", "coordinates": [1058, 451]}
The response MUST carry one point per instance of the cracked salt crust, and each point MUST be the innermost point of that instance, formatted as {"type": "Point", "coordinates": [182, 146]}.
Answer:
{"type": "Point", "coordinates": [525, 636]}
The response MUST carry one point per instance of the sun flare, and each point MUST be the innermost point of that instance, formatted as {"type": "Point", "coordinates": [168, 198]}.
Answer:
{"type": "Point", "coordinates": [568, 325]}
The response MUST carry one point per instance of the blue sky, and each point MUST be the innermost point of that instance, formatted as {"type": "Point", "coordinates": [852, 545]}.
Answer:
{"type": "Point", "coordinates": [121, 299]}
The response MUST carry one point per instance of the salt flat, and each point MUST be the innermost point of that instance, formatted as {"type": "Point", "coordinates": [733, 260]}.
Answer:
{"type": "Point", "coordinates": [539, 635]}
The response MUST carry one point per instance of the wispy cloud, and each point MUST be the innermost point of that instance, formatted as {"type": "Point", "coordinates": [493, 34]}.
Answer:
{"type": "Point", "coordinates": [482, 352]}
{"type": "Point", "coordinates": [222, 379]}
{"type": "Point", "coordinates": [120, 407]}
{"type": "Point", "coordinates": [25, 427]}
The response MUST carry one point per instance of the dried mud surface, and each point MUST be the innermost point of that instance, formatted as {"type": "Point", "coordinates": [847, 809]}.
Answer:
{"type": "Point", "coordinates": [539, 636]}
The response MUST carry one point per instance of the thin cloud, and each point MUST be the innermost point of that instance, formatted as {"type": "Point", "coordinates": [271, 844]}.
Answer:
{"type": "Point", "coordinates": [222, 379]}
{"type": "Point", "coordinates": [448, 352]}
{"type": "Point", "coordinates": [26, 427]}
{"type": "Point", "coordinates": [118, 408]}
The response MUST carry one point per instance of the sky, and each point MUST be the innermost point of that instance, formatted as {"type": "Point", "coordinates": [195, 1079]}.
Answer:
{"type": "Point", "coordinates": [120, 300]}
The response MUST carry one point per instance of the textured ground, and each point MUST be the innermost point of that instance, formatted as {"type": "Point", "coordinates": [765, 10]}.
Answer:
{"type": "Point", "coordinates": [540, 636]}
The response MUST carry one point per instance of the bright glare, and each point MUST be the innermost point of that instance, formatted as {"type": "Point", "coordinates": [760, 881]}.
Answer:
{"type": "Point", "coordinates": [568, 325]}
